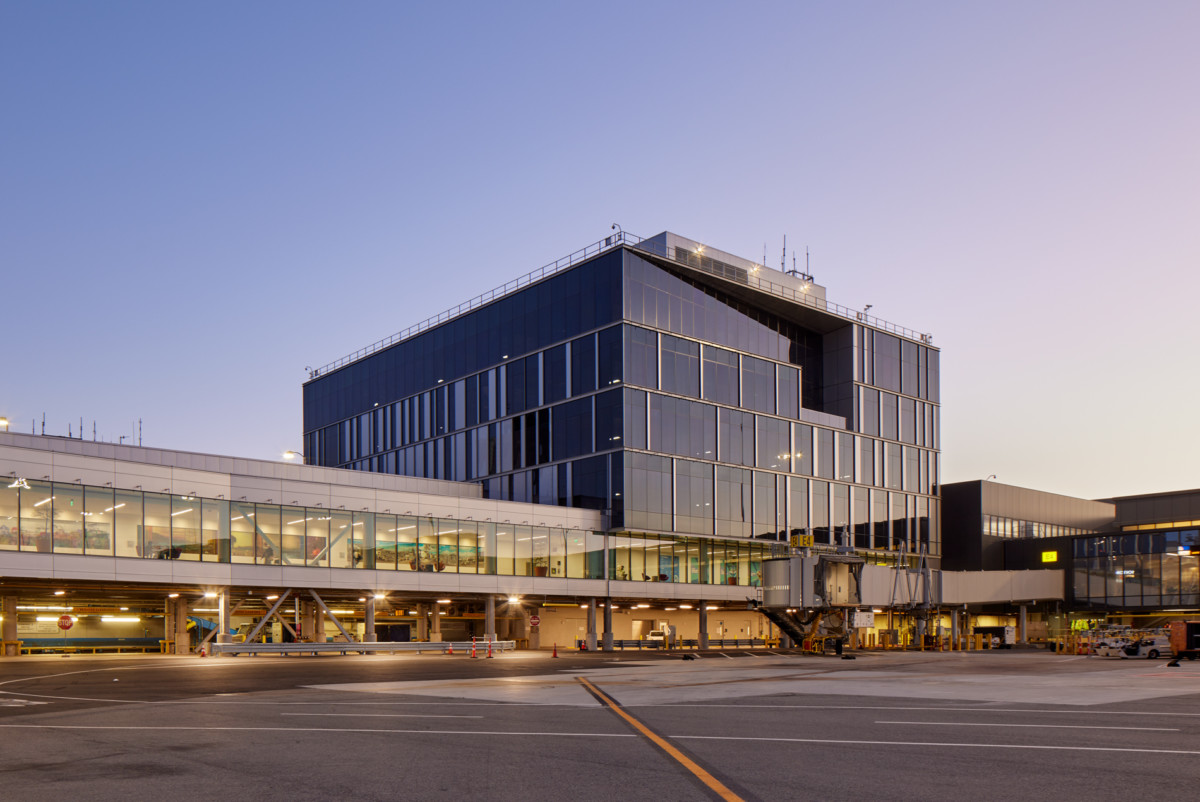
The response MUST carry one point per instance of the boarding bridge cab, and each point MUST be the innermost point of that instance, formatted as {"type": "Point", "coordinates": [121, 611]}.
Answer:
{"type": "Point", "coordinates": [820, 581]}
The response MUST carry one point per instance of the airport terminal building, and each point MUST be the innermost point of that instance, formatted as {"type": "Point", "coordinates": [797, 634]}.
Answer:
{"type": "Point", "coordinates": [635, 432]}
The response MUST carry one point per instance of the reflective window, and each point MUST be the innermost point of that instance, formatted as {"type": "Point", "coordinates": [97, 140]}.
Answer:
{"type": "Point", "coordinates": [774, 445]}
{"type": "Point", "coordinates": [98, 519]}
{"type": "Point", "coordinates": [788, 382]}
{"type": "Point", "coordinates": [694, 497]}
{"type": "Point", "coordinates": [68, 518]}
{"type": "Point", "coordinates": [733, 502]}
{"type": "Point", "coordinates": [648, 503]}
{"type": "Point", "coordinates": [682, 427]}
{"type": "Point", "coordinates": [802, 449]}
{"type": "Point", "coordinates": [720, 376]}
{"type": "Point", "coordinates": [680, 366]}
{"type": "Point", "coordinates": [758, 384]}
{"type": "Point", "coordinates": [641, 357]}
{"type": "Point", "coordinates": [583, 365]}
{"type": "Point", "coordinates": [735, 436]}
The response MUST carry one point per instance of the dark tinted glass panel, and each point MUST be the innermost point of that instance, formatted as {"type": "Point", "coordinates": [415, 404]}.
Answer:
{"type": "Point", "coordinates": [682, 427]}
{"type": "Point", "coordinates": [825, 466]}
{"type": "Point", "coordinates": [758, 384]}
{"type": "Point", "coordinates": [766, 525]}
{"type": "Point", "coordinates": [572, 423]}
{"type": "Point", "coordinates": [514, 386]}
{"type": "Point", "coordinates": [635, 418]}
{"type": "Point", "coordinates": [788, 390]}
{"type": "Point", "coordinates": [554, 372]}
{"type": "Point", "coordinates": [608, 420]}
{"type": "Point", "coordinates": [680, 366]}
{"type": "Point", "coordinates": [860, 520]}
{"type": "Point", "coordinates": [589, 483]}
{"type": "Point", "coordinates": [583, 365]}
{"type": "Point", "coordinates": [840, 513]}
{"type": "Point", "coordinates": [736, 436]}
{"type": "Point", "coordinates": [819, 505]}
{"type": "Point", "coordinates": [880, 519]}
{"type": "Point", "coordinates": [845, 457]}
{"type": "Point", "coordinates": [648, 497]}
{"type": "Point", "coordinates": [774, 446]}
{"type": "Point", "coordinates": [908, 420]}
{"type": "Point", "coordinates": [889, 409]}
{"type": "Point", "coordinates": [887, 361]}
{"type": "Point", "coordinates": [641, 357]}
{"type": "Point", "coordinates": [721, 376]}
{"type": "Point", "coordinates": [869, 411]}
{"type": "Point", "coordinates": [908, 368]}
{"type": "Point", "coordinates": [802, 445]}
{"type": "Point", "coordinates": [608, 344]}
{"type": "Point", "coordinates": [798, 506]}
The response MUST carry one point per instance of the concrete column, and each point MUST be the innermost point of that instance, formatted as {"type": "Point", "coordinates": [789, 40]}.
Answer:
{"type": "Point", "coordinates": [8, 629]}
{"type": "Point", "coordinates": [307, 623]}
{"type": "Point", "coordinates": [955, 632]}
{"type": "Point", "coordinates": [591, 625]}
{"type": "Point", "coordinates": [489, 618]}
{"type": "Point", "coordinates": [369, 621]}
{"type": "Point", "coordinates": [422, 622]}
{"type": "Point", "coordinates": [223, 617]}
{"type": "Point", "coordinates": [183, 643]}
{"type": "Point", "coordinates": [436, 634]}
{"type": "Point", "coordinates": [535, 634]}
{"type": "Point", "coordinates": [1021, 624]}
{"type": "Point", "coordinates": [702, 609]}
{"type": "Point", "coordinates": [608, 633]}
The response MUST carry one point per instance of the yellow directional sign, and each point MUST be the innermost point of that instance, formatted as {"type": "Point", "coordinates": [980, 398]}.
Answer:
{"type": "Point", "coordinates": [801, 541]}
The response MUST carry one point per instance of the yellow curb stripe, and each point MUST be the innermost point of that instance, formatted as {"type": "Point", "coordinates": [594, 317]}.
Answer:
{"type": "Point", "coordinates": [712, 782]}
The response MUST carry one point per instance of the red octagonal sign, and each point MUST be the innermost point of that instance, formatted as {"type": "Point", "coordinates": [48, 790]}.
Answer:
{"type": "Point", "coordinates": [65, 622]}
{"type": "Point", "coordinates": [534, 620]}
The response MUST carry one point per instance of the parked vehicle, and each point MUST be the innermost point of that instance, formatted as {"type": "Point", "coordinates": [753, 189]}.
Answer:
{"type": "Point", "coordinates": [1111, 647]}
{"type": "Point", "coordinates": [1149, 647]}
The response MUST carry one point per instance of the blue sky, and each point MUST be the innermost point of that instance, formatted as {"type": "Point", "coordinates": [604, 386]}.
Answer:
{"type": "Point", "coordinates": [197, 201]}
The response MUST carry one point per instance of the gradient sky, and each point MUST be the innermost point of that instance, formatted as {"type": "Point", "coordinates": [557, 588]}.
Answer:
{"type": "Point", "coordinates": [199, 200]}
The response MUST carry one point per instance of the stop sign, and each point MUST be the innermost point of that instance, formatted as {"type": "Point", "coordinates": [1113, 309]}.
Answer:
{"type": "Point", "coordinates": [65, 622]}
{"type": "Point", "coordinates": [534, 620]}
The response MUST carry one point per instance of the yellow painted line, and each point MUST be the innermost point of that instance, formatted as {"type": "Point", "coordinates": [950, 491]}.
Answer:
{"type": "Point", "coordinates": [710, 781]}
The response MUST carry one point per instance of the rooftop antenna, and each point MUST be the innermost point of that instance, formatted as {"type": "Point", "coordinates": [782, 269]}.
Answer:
{"type": "Point", "coordinates": [783, 258]}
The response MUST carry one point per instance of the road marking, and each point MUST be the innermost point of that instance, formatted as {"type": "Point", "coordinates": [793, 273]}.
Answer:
{"type": "Point", "coordinates": [933, 743]}
{"type": "Point", "coordinates": [752, 654]}
{"type": "Point", "coordinates": [724, 655]}
{"type": "Point", "coordinates": [935, 709]}
{"type": "Point", "coordinates": [20, 703]}
{"type": "Point", "coordinates": [374, 715]}
{"type": "Point", "coordinates": [316, 729]}
{"type": "Point", "coordinates": [711, 782]}
{"type": "Point", "coordinates": [1045, 726]}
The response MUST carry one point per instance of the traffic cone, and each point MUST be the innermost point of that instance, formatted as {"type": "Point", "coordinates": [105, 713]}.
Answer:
{"type": "Point", "coordinates": [472, 648]}
{"type": "Point", "coordinates": [555, 651]}
{"type": "Point", "coordinates": [449, 648]}
{"type": "Point", "coordinates": [490, 648]}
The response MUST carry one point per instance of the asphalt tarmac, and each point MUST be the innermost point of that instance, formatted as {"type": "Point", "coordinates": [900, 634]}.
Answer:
{"type": "Point", "coordinates": [734, 725]}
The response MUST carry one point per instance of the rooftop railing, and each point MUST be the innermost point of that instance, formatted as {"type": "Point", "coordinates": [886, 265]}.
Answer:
{"type": "Point", "coordinates": [684, 257]}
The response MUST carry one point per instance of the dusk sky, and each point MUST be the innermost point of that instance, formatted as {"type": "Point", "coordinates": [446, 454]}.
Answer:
{"type": "Point", "coordinates": [199, 200]}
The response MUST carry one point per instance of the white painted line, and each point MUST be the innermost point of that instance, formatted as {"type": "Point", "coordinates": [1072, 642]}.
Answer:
{"type": "Point", "coordinates": [374, 715]}
{"type": "Point", "coordinates": [931, 743]}
{"type": "Point", "coordinates": [1041, 726]}
{"type": "Point", "coordinates": [317, 729]}
{"type": "Point", "coordinates": [935, 709]}
{"type": "Point", "coordinates": [724, 655]}
{"type": "Point", "coordinates": [752, 654]}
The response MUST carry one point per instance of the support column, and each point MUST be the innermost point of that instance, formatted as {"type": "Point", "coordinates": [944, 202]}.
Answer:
{"type": "Point", "coordinates": [423, 622]}
{"type": "Point", "coordinates": [591, 625]}
{"type": "Point", "coordinates": [308, 621]}
{"type": "Point", "coordinates": [224, 616]}
{"type": "Point", "coordinates": [702, 608]}
{"type": "Point", "coordinates": [955, 632]}
{"type": "Point", "coordinates": [369, 621]}
{"type": "Point", "coordinates": [436, 634]}
{"type": "Point", "coordinates": [608, 633]}
{"type": "Point", "coordinates": [535, 633]}
{"type": "Point", "coordinates": [1021, 624]}
{"type": "Point", "coordinates": [183, 644]}
{"type": "Point", "coordinates": [8, 629]}
{"type": "Point", "coordinates": [489, 618]}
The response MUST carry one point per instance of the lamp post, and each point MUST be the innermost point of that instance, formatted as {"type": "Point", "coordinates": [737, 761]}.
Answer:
{"type": "Point", "coordinates": [291, 456]}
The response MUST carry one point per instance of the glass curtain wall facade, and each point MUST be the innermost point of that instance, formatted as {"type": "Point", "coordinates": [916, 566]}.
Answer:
{"type": "Point", "coordinates": [1148, 570]}
{"type": "Point", "coordinates": [630, 385]}
{"type": "Point", "coordinates": [64, 518]}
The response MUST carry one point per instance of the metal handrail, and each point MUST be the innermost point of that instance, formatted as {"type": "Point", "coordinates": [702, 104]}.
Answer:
{"type": "Point", "coordinates": [688, 258]}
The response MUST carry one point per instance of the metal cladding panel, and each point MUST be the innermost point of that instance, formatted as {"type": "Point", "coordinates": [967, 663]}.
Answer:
{"type": "Point", "coordinates": [777, 582]}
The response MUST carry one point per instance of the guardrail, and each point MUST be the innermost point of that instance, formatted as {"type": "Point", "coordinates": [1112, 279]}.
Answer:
{"type": "Point", "coordinates": [439, 647]}
{"type": "Point", "coordinates": [587, 252]}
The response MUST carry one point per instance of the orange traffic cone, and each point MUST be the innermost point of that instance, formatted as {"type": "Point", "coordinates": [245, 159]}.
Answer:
{"type": "Point", "coordinates": [555, 651]}
{"type": "Point", "coordinates": [472, 648]}
{"type": "Point", "coordinates": [449, 648]}
{"type": "Point", "coordinates": [490, 648]}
